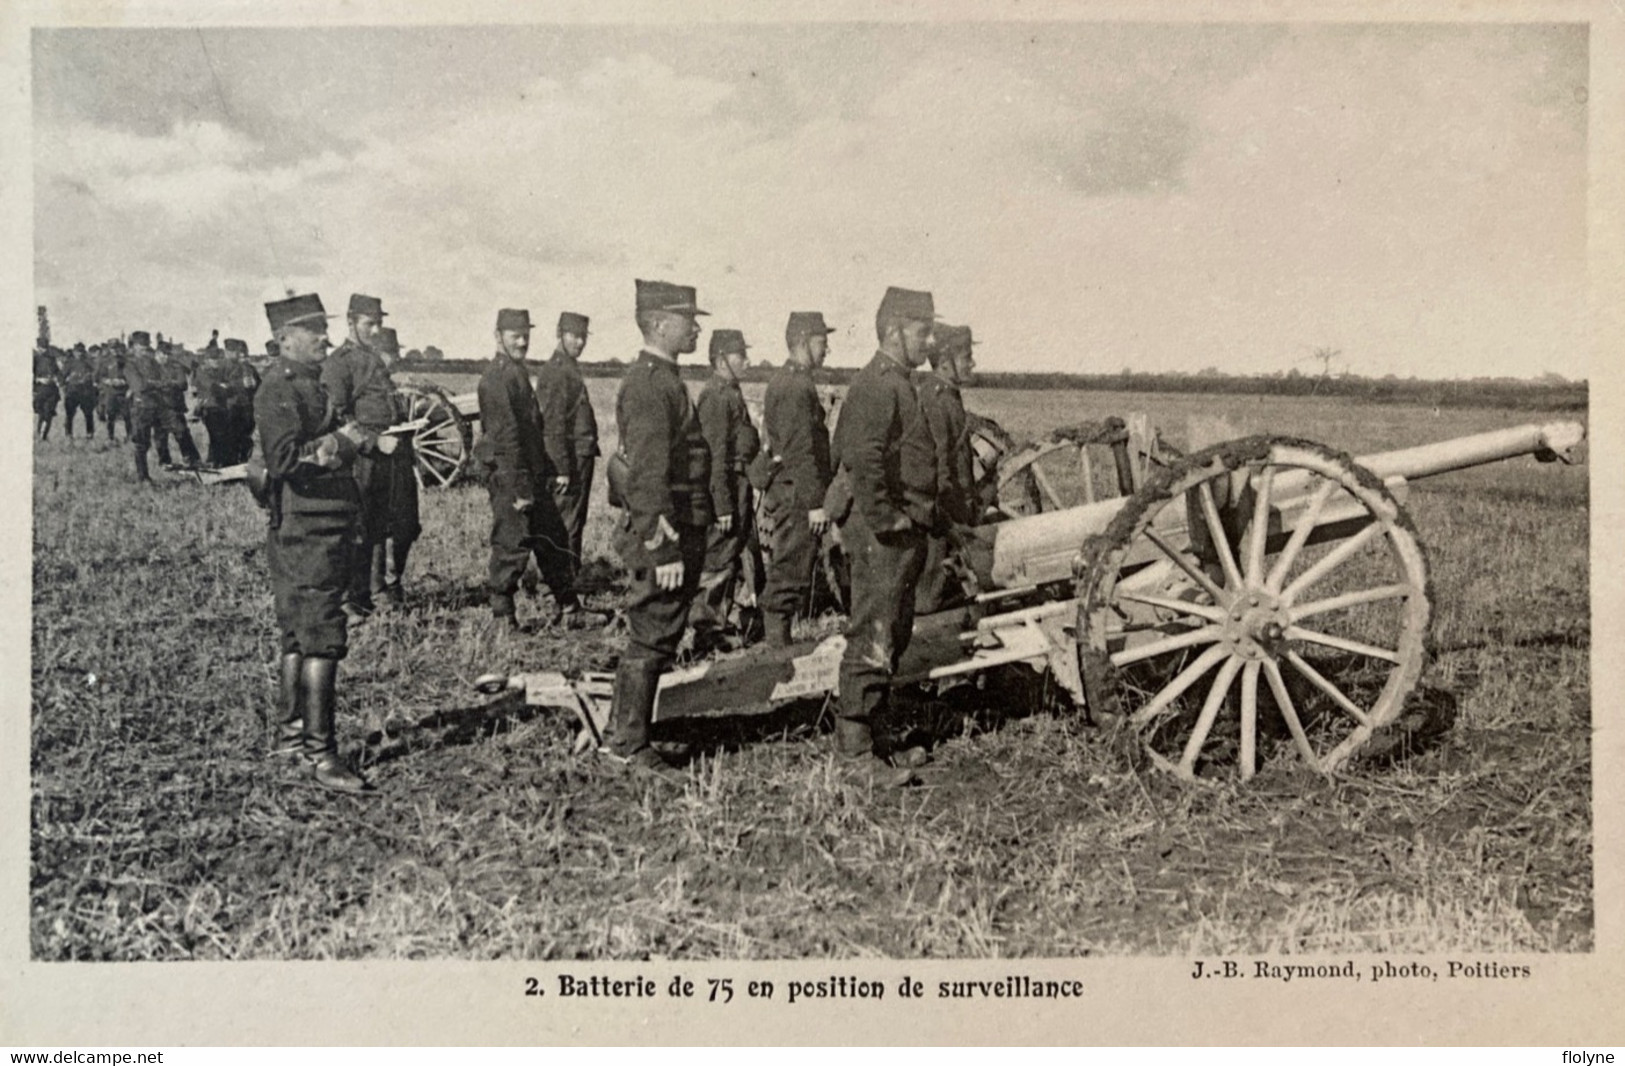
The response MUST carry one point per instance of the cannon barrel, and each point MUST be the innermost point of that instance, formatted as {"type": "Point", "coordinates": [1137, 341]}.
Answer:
{"type": "Point", "coordinates": [1038, 549]}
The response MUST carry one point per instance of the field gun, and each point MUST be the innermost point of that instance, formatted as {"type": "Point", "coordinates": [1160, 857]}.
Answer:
{"type": "Point", "coordinates": [1265, 562]}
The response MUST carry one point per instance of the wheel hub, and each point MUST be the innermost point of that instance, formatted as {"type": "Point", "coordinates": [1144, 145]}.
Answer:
{"type": "Point", "coordinates": [1255, 625]}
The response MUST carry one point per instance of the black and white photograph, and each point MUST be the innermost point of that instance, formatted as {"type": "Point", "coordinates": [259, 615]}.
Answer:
{"type": "Point", "coordinates": [988, 495]}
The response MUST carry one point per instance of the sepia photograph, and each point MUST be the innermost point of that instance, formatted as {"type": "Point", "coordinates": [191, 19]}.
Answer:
{"type": "Point", "coordinates": [1012, 492]}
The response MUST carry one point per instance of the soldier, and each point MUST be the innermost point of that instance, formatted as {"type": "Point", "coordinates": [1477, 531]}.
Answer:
{"type": "Point", "coordinates": [212, 384]}
{"type": "Point", "coordinates": [156, 385]}
{"type": "Point", "coordinates": [242, 381]}
{"type": "Point", "coordinates": [312, 497]}
{"type": "Point", "coordinates": [519, 479]}
{"type": "Point", "coordinates": [733, 443]}
{"type": "Point", "coordinates": [884, 444]}
{"type": "Point", "coordinates": [951, 367]}
{"type": "Point", "coordinates": [79, 389]}
{"type": "Point", "coordinates": [113, 389]}
{"type": "Point", "coordinates": [796, 474]}
{"type": "Point", "coordinates": [360, 390]}
{"type": "Point", "coordinates": [660, 479]}
{"type": "Point", "coordinates": [47, 388]}
{"type": "Point", "coordinates": [569, 429]}
{"type": "Point", "coordinates": [401, 523]}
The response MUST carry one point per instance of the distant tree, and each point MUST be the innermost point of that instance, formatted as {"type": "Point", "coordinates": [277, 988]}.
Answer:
{"type": "Point", "coordinates": [431, 354]}
{"type": "Point", "coordinates": [412, 354]}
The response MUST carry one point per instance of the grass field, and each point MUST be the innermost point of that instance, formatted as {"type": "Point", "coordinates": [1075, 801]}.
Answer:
{"type": "Point", "coordinates": [160, 831]}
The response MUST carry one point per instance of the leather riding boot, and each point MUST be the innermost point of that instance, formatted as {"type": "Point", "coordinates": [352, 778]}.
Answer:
{"type": "Point", "coordinates": [378, 571]}
{"type": "Point", "coordinates": [502, 609]}
{"type": "Point", "coordinates": [398, 551]}
{"type": "Point", "coordinates": [290, 736]}
{"type": "Point", "coordinates": [318, 677]}
{"type": "Point", "coordinates": [853, 737]}
{"type": "Point", "coordinates": [631, 707]}
{"type": "Point", "coordinates": [360, 596]}
{"type": "Point", "coordinates": [776, 630]}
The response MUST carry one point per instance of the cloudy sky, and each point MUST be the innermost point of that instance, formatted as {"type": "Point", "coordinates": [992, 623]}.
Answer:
{"type": "Point", "coordinates": [1087, 196]}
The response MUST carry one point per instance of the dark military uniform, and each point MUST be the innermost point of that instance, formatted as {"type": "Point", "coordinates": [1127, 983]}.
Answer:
{"type": "Point", "coordinates": [729, 556]}
{"type": "Point", "coordinates": [944, 412]}
{"type": "Point", "coordinates": [884, 444]}
{"type": "Point", "coordinates": [113, 390]}
{"type": "Point", "coordinates": [313, 508]}
{"type": "Point", "coordinates": [570, 433]}
{"type": "Point", "coordinates": [242, 381]}
{"type": "Point", "coordinates": [158, 402]}
{"type": "Point", "coordinates": [517, 468]}
{"type": "Point", "coordinates": [668, 479]}
{"type": "Point", "coordinates": [794, 431]}
{"type": "Point", "coordinates": [79, 389]}
{"type": "Point", "coordinates": [211, 383]}
{"type": "Point", "coordinates": [47, 388]}
{"type": "Point", "coordinates": [360, 390]}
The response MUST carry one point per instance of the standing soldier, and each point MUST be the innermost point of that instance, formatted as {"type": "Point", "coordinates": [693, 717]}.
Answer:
{"type": "Point", "coordinates": [79, 389]}
{"type": "Point", "coordinates": [884, 445]}
{"type": "Point", "coordinates": [951, 367]}
{"type": "Point", "coordinates": [312, 497]}
{"type": "Point", "coordinates": [113, 389]}
{"type": "Point", "coordinates": [661, 481]}
{"type": "Point", "coordinates": [242, 380]}
{"type": "Point", "coordinates": [733, 443]}
{"type": "Point", "coordinates": [47, 389]}
{"type": "Point", "coordinates": [569, 429]}
{"type": "Point", "coordinates": [154, 381]}
{"type": "Point", "coordinates": [212, 381]}
{"type": "Point", "coordinates": [401, 524]}
{"type": "Point", "coordinates": [360, 390]}
{"type": "Point", "coordinates": [796, 474]}
{"type": "Point", "coordinates": [519, 478]}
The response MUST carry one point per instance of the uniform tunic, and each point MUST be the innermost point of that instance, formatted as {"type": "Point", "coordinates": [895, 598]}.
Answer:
{"type": "Point", "coordinates": [242, 381]}
{"type": "Point", "coordinates": [158, 402]}
{"type": "Point", "coordinates": [313, 507]}
{"type": "Point", "coordinates": [47, 384]}
{"type": "Point", "coordinates": [360, 389]}
{"type": "Point", "coordinates": [733, 442]}
{"type": "Point", "coordinates": [794, 431]}
{"type": "Point", "coordinates": [570, 435]}
{"type": "Point", "coordinates": [113, 390]}
{"type": "Point", "coordinates": [883, 442]}
{"type": "Point", "coordinates": [517, 468]}
{"type": "Point", "coordinates": [211, 382]}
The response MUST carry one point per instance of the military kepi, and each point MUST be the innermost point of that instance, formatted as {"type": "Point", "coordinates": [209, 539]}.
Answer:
{"type": "Point", "coordinates": [953, 338]}
{"type": "Point", "coordinates": [664, 296]}
{"type": "Point", "coordinates": [570, 322]}
{"type": "Point", "coordinates": [805, 324]}
{"type": "Point", "coordinates": [141, 337]}
{"type": "Point", "coordinates": [906, 304]}
{"type": "Point", "coordinates": [371, 306]}
{"type": "Point", "coordinates": [727, 342]}
{"type": "Point", "coordinates": [234, 344]}
{"type": "Point", "coordinates": [306, 310]}
{"type": "Point", "coordinates": [388, 341]}
{"type": "Point", "coordinates": [511, 319]}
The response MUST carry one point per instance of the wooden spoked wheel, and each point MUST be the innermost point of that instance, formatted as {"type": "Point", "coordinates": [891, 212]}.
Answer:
{"type": "Point", "coordinates": [441, 448]}
{"type": "Point", "coordinates": [1267, 565]}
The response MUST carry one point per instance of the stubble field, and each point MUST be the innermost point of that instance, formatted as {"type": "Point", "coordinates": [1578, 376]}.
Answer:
{"type": "Point", "coordinates": [161, 831]}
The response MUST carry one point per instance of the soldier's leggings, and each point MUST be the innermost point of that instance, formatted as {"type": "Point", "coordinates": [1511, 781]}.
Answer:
{"type": "Point", "coordinates": [794, 550]}
{"type": "Point", "coordinates": [884, 574]}
{"type": "Point", "coordinates": [308, 554]}
{"type": "Point", "coordinates": [938, 590]}
{"type": "Point", "coordinates": [516, 535]}
{"type": "Point", "coordinates": [655, 619]}
{"type": "Point", "coordinates": [725, 564]}
{"type": "Point", "coordinates": [571, 501]}
{"type": "Point", "coordinates": [115, 407]}
{"type": "Point", "coordinates": [239, 433]}
{"type": "Point", "coordinates": [82, 400]}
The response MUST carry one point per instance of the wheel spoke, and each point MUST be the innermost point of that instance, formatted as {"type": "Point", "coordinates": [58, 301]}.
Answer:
{"type": "Point", "coordinates": [1193, 571]}
{"type": "Point", "coordinates": [1259, 535]}
{"type": "Point", "coordinates": [1210, 711]}
{"type": "Point", "coordinates": [1201, 610]}
{"type": "Point", "coordinates": [1350, 599]}
{"type": "Point", "coordinates": [1283, 700]}
{"type": "Point", "coordinates": [1249, 719]}
{"type": "Point", "coordinates": [1332, 559]}
{"type": "Point", "coordinates": [1205, 635]}
{"type": "Point", "coordinates": [1320, 682]}
{"type": "Point", "coordinates": [1370, 651]}
{"type": "Point", "coordinates": [1300, 534]}
{"type": "Point", "coordinates": [1221, 540]}
{"type": "Point", "coordinates": [1178, 685]}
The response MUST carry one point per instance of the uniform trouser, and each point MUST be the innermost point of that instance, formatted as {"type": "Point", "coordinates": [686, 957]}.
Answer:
{"type": "Point", "coordinates": [792, 556]}
{"type": "Point", "coordinates": [884, 574]}
{"type": "Point", "coordinates": [164, 419]}
{"type": "Point", "coordinates": [114, 406]}
{"type": "Point", "coordinates": [308, 553]}
{"type": "Point", "coordinates": [516, 535]}
{"type": "Point", "coordinates": [82, 399]}
{"type": "Point", "coordinates": [732, 566]}
{"type": "Point", "coordinates": [372, 490]}
{"type": "Point", "coordinates": [939, 589]}
{"type": "Point", "coordinates": [239, 433]}
{"type": "Point", "coordinates": [45, 401]}
{"type": "Point", "coordinates": [655, 619]}
{"type": "Point", "coordinates": [571, 501]}
{"type": "Point", "coordinates": [401, 525]}
{"type": "Point", "coordinates": [218, 426]}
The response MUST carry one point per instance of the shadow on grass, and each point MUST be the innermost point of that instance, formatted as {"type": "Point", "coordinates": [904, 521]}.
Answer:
{"type": "Point", "coordinates": [450, 728]}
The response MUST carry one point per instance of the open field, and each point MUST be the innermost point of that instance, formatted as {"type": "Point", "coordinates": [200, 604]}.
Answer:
{"type": "Point", "coordinates": [160, 831]}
